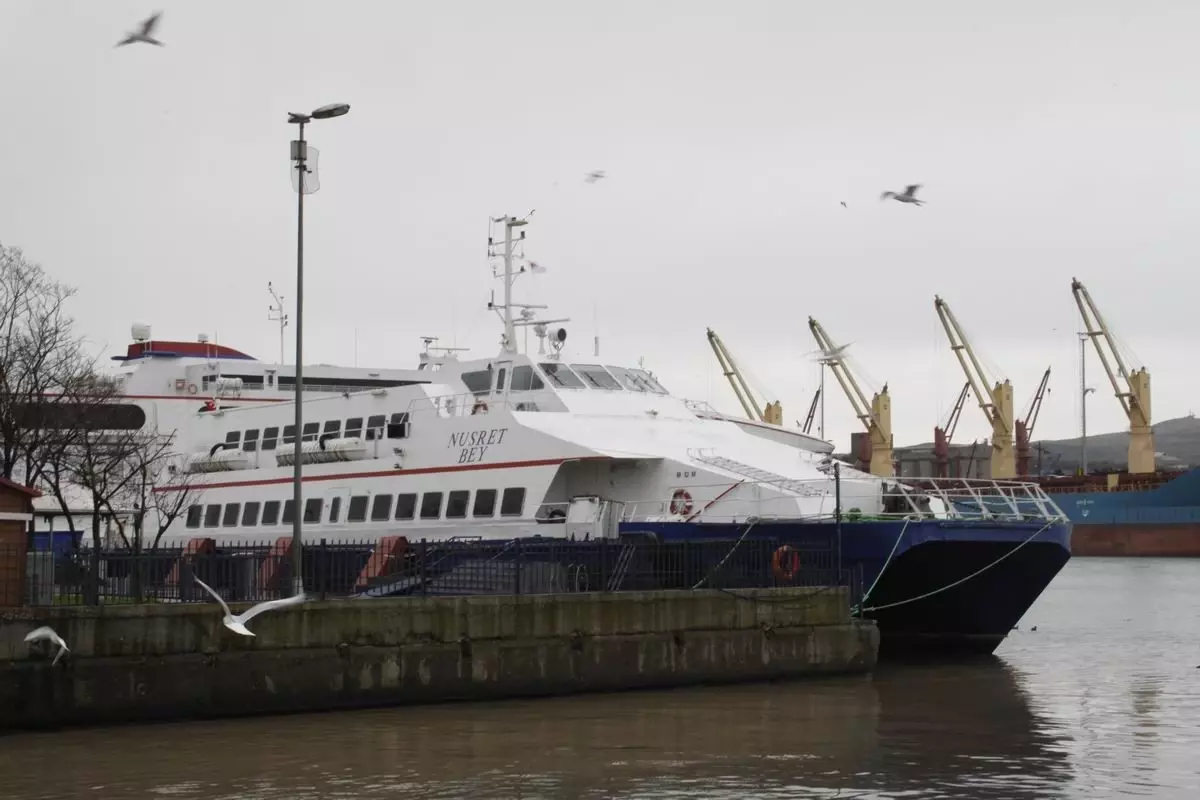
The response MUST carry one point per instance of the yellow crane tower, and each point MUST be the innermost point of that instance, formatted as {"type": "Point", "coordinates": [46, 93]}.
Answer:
{"type": "Point", "coordinates": [996, 404]}
{"type": "Point", "coordinates": [772, 413]}
{"type": "Point", "coordinates": [877, 415]}
{"type": "Point", "coordinates": [1134, 395]}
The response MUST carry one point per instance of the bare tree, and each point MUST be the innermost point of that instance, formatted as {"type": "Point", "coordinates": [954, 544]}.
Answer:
{"type": "Point", "coordinates": [159, 494]}
{"type": "Point", "coordinates": [41, 360]}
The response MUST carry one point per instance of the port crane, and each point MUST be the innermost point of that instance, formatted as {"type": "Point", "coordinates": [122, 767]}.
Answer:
{"type": "Point", "coordinates": [996, 403]}
{"type": "Point", "coordinates": [772, 413]}
{"type": "Point", "coordinates": [1025, 426]}
{"type": "Point", "coordinates": [1132, 389]}
{"type": "Point", "coordinates": [943, 435]}
{"type": "Point", "coordinates": [806, 426]}
{"type": "Point", "coordinates": [876, 415]}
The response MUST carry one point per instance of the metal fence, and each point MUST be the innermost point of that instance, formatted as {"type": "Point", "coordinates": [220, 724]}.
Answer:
{"type": "Point", "coordinates": [395, 567]}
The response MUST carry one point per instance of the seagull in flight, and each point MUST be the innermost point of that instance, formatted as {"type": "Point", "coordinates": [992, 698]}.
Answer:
{"type": "Point", "coordinates": [144, 35]}
{"type": "Point", "coordinates": [237, 623]}
{"type": "Point", "coordinates": [592, 177]}
{"type": "Point", "coordinates": [835, 353]}
{"type": "Point", "coordinates": [46, 633]}
{"type": "Point", "coordinates": [908, 196]}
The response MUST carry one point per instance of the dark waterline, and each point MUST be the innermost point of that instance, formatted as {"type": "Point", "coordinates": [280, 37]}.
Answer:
{"type": "Point", "coordinates": [1100, 701]}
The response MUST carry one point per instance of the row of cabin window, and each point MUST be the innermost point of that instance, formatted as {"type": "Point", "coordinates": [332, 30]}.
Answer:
{"type": "Point", "coordinates": [457, 503]}
{"type": "Point", "coordinates": [376, 427]}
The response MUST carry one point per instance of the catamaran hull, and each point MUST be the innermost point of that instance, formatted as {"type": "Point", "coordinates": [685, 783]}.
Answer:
{"type": "Point", "coordinates": [934, 588]}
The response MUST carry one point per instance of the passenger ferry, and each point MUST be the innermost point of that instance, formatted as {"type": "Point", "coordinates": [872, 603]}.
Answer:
{"type": "Point", "coordinates": [518, 447]}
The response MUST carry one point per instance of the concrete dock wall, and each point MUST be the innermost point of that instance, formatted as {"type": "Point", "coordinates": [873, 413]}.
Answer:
{"type": "Point", "coordinates": [178, 661]}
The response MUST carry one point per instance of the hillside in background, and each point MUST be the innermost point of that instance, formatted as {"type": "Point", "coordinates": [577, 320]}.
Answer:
{"type": "Point", "coordinates": [1177, 441]}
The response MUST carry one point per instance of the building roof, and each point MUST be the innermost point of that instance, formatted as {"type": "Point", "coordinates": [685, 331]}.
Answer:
{"type": "Point", "coordinates": [18, 487]}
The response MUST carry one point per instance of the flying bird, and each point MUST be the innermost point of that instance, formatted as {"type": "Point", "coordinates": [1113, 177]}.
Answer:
{"type": "Point", "coordinates": [592, 177]}
{"type": "Point", "coordinates": [46, 633]}
{"type": "Point", "coordinates": [835, 353]}
{"type": "Point", "coordinates": [237, 623]}
{"type": "Point", "coordinates": [144, 35]}
{"type": "Point", "coordinates": [909, 195]}
{"type": "Point", "coordinates": [844, 204]}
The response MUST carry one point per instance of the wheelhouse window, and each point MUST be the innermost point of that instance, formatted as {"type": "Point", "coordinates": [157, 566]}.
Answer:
{"type": "Point", "coordinates": [629, 380]}
{"type": "Point", "coordinates": [512, 504]}
{"type": "Point", "coordinates": [478, 382]}
{"type": "Point", "coordinates": [524, 379]}
{"type": "Point", "coordinates": [270, 515]}
{"type": "Point", "coordinates": [406, 506]}
{"type": "Point", "coordinates": [431, 505]}
{"type": "Point", "coordinates": [560, 375]}
{"type": "Point", "coordinates": [650, 381]}
{"type": "Point", "coordinates": [270, 438]}
{"type": "Point", "coordinates": [485, 503]}
{"type": "Point", "coordinates": [596, 376]}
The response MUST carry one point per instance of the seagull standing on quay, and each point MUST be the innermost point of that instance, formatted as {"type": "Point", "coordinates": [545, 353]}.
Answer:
{"type": "Point", "coordinates": [47, 634]}
{"type": "Point", "coordinates": [237, 623]}
{"type": "Point", "coordinates": [908, 196]}
{"type": "Point", "coordinates": [143, 35]}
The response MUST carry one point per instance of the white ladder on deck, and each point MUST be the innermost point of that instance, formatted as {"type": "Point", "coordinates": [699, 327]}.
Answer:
{"type": "Point", "coordinates": [758, 475]}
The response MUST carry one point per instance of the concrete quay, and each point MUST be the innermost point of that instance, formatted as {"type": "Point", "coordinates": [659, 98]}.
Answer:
{"type": "Point", "coordinates": [176, 661]}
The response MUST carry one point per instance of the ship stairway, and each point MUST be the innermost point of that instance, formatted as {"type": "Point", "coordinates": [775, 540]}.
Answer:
{"type": "Point", "coordinates": [761, 476]}
{"type": "Point", "coordinates": [621, 568]}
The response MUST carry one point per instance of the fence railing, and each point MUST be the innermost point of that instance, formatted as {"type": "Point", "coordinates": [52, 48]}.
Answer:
{"type": "Point", "coordinates": [393, 566]}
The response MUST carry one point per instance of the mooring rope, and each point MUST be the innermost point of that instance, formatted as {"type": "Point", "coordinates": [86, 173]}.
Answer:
{"type": "Point", "coordinates": [752, 521]}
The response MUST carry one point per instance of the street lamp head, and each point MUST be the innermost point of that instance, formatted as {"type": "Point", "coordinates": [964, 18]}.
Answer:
{"type": "Point", "coordinates": [331, 110]}
{"type": "Point", "coordinates": [298, 119]}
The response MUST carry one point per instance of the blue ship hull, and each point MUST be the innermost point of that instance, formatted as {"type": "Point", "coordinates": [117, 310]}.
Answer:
{"type": "Point", "coordinates": [1172, 503]}
{"type": "Point", "coordinates": [933, 587]}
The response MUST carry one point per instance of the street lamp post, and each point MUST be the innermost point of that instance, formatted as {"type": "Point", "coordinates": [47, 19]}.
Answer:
{"type": "Point", "coordinates": [300, 159]}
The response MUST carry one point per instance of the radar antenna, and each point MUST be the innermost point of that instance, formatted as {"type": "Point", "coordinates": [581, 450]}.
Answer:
{"type": "Point", "coordinates": [525, 316]}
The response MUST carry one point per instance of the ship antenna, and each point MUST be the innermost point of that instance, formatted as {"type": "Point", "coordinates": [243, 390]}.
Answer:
{"type": "Point", "coordinates": [509, 342]}
{"type": "Point", "coordinates": [275, 313]}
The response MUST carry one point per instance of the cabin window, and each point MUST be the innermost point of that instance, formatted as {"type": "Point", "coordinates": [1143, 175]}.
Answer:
{"type": "Point", "coordinates": [270, 438]}
{"type": "Point", "coordinates": [354, 428]}
{"type": "Point", "coordinates": [457, 503]}
{"type": "Point", "coordinates": [501, 374]}
{"type": "Point", "coordinates": [431, 505]}
{"type": "Point", "coordinates": [375, 427]}
{"type": "Point", "coordinates": [289, 434]}
{"type": "Point", "coordinates": [561, 376]}
{"type": "Point", "coordinates": [250, 443]}
{"type": "Point", "coordinates": [358, 509]}
{"type": "Point", "coordinates": [289, 512]}
{"type": "Point", "coordinates": [250, 514]}
{"type": "Point", "coordinates": [406, 506]}
{"type": "Point", "coordinates": [513, 503]}
{"type": "Point", "coordinates": [333, 426]}
{"type": "Point", "coordinates": [478, 382]}
{"type": "Point", "coordinates": [650, 381]}
{"type": "Point", "coordinates": [232, 440]}
{"type": "Point", "coordinates": [194, 513]}
{"type": "Point", "coordinates": [312, 510]}
{"type": "Point", "coordinates": [381, 508]}
{"type": "Point", "coordinates": [310, 431]}
{"type": "Point", "coordinates": [230, 519]}
{"type": "Point", "coordinates": [398, 425]}
{"type": "Point", "coordinates": [485, 503]}
{"type": "Point", "coordinates": [212, 515]}
{"type": "Point", "coordinates": [270, 512]}
{"type": "Point", "coordinates": [524, 379]}
{"type": "Point", "coordinates": [628, 379]}
{"type": "Point", "coordinates": [596, 376]}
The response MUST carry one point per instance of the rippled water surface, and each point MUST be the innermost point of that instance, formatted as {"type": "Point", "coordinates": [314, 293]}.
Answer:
{"type": "Point", "coordinates": [1101, 700]}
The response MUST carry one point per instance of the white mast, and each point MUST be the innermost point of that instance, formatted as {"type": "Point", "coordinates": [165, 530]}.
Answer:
{"type": "Point", "coordinates": [526, 316]}
{"type": "Point", "coordinates": [275, 313]}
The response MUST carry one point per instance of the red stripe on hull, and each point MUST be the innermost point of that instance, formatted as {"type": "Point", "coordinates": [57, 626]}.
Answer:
{"type": "Point", "coordinates": [385, 473]}
{"type": "Point", "coordinates": [1148, 540]}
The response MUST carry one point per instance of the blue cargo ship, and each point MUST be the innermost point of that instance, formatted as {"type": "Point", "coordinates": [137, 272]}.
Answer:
{"type": "Point", "coordinates": [1152, 515]}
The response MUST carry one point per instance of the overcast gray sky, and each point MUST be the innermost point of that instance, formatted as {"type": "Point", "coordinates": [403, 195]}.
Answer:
{"type": "Point", "coordinates": [1052, 139]}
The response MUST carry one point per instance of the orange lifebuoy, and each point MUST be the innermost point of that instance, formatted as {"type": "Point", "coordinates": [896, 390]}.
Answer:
{"type": "Point", "coordinates": [681, 502]}
{"type": "Point", "coordinates": [480, 407]}
{"type": "Point", "coordinates": [785, 563]}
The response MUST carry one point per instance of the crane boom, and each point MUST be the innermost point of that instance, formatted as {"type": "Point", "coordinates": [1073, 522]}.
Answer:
{"type": "Point", "coordinates": [876, 415]}
{"type": "Point", "coordinates": [1134, 395]}
{"type": "Point", "coordinates": [942, 436]}
{"type": "Point", "coordinates": [995, 403]}
{"type": "Point", "coordinates": [812, 412]}
{"type": "Point", "coordinates": [1025, 426]}
{"type": "Point", "coordinates": [734, 376]}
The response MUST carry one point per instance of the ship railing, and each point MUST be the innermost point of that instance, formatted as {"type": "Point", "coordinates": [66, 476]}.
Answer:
{"type": "Point", "coordinates": [467, 404]}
